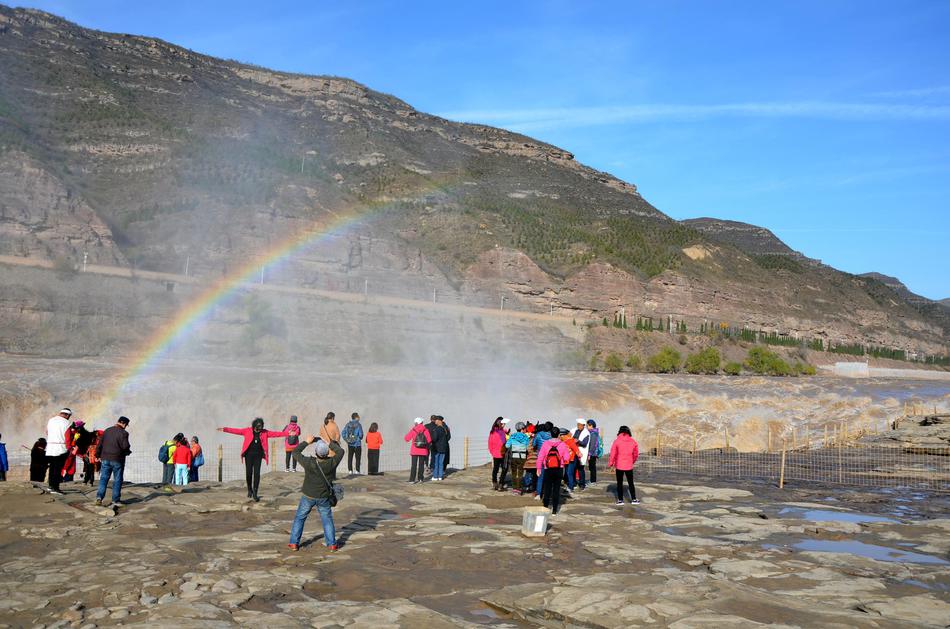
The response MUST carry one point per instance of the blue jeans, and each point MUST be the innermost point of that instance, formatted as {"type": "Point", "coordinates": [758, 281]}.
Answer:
{"type": "Point", "coordinates": [540, 480]}
{"type": "Point", "coordinates": [326, 514]}
{"type": "Point", "coordinates": [573, 469]}
{"type": "Point", "coordinates": [108, 469]}
{"type": "Point", "coordinates": [438, 468]}
{"type": "Point", "coordinates": [181, 474]}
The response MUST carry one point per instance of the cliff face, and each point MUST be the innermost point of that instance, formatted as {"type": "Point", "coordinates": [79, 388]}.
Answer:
{"type": "Point", "coordinates": [137, 152]}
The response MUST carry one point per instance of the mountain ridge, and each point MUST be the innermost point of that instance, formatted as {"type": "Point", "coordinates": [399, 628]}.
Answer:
{"type": "Point", "coordinates": [189, 160]}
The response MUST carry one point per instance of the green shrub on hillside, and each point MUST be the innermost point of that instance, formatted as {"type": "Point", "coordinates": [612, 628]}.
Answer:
{"type": "Point", "coordinates": [634, 362]}
{"type": "Point", "coordinates": [705, 361]}
{"type": "Point", "coordinates": [762, 361]}
{"type": "Point", "coordinates": [613, 362]}
{"type": "Point", "coordinates": [732, 368]}
{"type": "Point", "coordinates": [667, 360]}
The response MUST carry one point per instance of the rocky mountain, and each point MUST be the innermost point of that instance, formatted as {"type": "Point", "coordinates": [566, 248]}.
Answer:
{"type": "Point", "coordinates": [751, 239]}
{"type": "Point", "coordinates": [134, 152]}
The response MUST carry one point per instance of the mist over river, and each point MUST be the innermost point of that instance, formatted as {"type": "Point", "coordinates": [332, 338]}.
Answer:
{"type": "Point", "coordinates": [195, 397]}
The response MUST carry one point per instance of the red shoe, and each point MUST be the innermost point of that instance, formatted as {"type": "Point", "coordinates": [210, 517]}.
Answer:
{"type": "Point", "coordinates": [293, 547]}
{"type": "Point", "coordinates": [333, 548]}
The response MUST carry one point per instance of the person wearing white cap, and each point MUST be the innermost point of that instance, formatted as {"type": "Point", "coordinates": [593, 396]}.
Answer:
{"type": "Point", "coordinates": [56, 450]}
{"type": "Point", "coordinates": [577, 469]}
{"type": "Point", "coordinates": [419, 440]}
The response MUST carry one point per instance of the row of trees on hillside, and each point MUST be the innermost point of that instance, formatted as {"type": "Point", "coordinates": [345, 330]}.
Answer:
{"type": "Point", "coordinates": [759, 360]}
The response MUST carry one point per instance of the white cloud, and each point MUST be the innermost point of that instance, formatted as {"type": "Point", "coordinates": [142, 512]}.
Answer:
{"type": "Point", "coordinates": [560, 117]}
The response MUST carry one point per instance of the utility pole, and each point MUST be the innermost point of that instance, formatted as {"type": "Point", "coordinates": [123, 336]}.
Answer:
{"type": "Point", "coordinates": [503, 302]}
{"type": "Point", "coordinates": [433, 295]}
{"type": "Point", "coordinates": [85, 256]}
{"type": "Point", "coordinates": [187, 263]}
{"type": "Point", "coordinates": [365, 287]}
{"type": "Point", "coordinates": [262, 274]}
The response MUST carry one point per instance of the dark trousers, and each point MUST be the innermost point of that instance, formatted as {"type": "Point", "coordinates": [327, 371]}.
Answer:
{"type": "Point", "coordinates": [193, 474]}
{"type": "Point", "coordinates": [551, 488]}
{"type": "Point", "coordinates": [38, 472]}
{"type": "Point", "coordinates": [592, 468]}
{"type": "Point", "coordinates": [56, 470]}
{"type": "Point", "coordinates": [517, 473]}
{"type": "Point", "coordinates": [168, 473]}
{"type": "Point", "coordinates": [496, 466]}
{"type": "Point", "coordinates": [418, 467]}
{"type": "Point", "coordinates": [88, 472]}
{"type": "Point", "coordinates": [351, 452]}
{"type": "Point", "coordinates": [290, 459]}
{"type": "Point", "coordinates": [620, 476]}
{"type": "Point", "coordinates": [252, 472]}
{"type": "Point", "coordinates": [372, 456]}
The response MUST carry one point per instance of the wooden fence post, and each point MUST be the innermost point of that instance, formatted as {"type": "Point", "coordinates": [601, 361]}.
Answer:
{"type": "Point", "coordinates": [769, 440]}
{"type": "Point", "coordinates": [465, 454]}
{"type": "Point", "coordinates": [220, 463]}
{"type": "Point", "coordinates": [694, 442]}
{"type": "Point", "coordinates": [781, 476]}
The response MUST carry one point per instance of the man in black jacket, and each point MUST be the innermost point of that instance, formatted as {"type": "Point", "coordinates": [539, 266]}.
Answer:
{"type": "Point", "coordinates": [112, 450]}
{"type": "Point", "coordinates": [316, 489]}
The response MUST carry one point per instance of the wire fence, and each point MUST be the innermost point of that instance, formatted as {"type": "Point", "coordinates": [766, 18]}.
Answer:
{"type": "Point", "coordinates": [824, 462]}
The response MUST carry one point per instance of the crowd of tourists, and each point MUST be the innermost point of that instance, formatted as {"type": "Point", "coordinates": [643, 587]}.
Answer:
{"type": "Point", "coordinates": [533, 458]}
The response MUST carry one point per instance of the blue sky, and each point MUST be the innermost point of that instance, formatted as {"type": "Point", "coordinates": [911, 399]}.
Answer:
{"type": "Point", "coordinates": [826, 121]}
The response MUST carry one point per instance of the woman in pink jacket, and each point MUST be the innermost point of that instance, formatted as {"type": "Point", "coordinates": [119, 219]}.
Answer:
{"type": "Point", "coordinates": [497, 437]}
{"type": "Point", "coordinates": [553, 458]}
{"type": "Point", "coordinates": [623, 454]}
{"type": "Point", "coordinates": [253, 451]}
{"type": "Point", "coordinates": [419, 440]}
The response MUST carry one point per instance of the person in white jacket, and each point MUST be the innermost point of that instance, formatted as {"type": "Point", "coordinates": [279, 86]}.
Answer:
{"type": "Point", "coordinates": [577, 469]}
{"type": "Point", "coordinates": [56, 449]}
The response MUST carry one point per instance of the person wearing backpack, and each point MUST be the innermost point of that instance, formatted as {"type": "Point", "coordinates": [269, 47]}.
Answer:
{"type": "Point", "coordinates": [166, 455]}
{"type": "Point", "coordinates": [517, 446]}
{"type": "Point", "coordinates": [624, 452]}
{"type": "Point", "coordinates": [553, 457]}
{"type": "Point", "coordinates": [197, 459]}
{"type": "Point", "coordinates": [418, 439]}
{"type": "Point", "coordinates": [542, 434]}
{"type": "Point", "coordinates": [290, 442]}
{"type": "Point", "coordinates": [595, 450]}
{"type": "Point", "coordinates": [353, 436]}
{"type": "Point", "coordinates": [568, 439]}
{"type": "Point", "coordinates": [317, 490]}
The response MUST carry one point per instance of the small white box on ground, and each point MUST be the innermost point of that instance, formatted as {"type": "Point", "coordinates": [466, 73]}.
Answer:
{"type": "Point", "coordinates": [534, 522]}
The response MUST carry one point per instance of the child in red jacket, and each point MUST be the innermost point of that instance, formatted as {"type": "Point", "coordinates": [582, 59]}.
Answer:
{"type": "Point", "coordinates": [182, 460]}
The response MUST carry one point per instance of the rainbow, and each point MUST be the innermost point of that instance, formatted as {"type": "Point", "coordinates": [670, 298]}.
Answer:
{"type": "Point", "coordinates": [197, 311]}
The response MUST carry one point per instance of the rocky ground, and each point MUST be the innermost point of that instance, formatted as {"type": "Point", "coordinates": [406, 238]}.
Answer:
{"type": "Point", "coordinates": [451, 554]}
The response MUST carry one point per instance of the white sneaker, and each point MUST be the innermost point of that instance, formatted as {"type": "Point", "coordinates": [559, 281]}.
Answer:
{"type": "Point", "coordinates": [287, 470]}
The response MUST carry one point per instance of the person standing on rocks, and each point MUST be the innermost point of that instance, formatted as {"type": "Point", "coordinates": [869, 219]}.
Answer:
{"type": "Point", "coordinates": [448, 445]}
{"type": "Point", "coordinates": [290, 442]}
{"type": "Point", "coordinates": [197, 459]}
{"type": "Point", "coordinates": [182, 459]}
{"type": "Point", "coordinates": [431, 428]}
{"type": "Point", "coordinates": [419, 439]}
{"type": "Point", "coordinates": [595, 450]}
{"type": "Point", "coordinates": [353, 436]}
{"type": "Point", "coordinates": [517, 446]}
{"type": "Point", "coordinates": [38, 462]}
{"type": "Point", "coordinates": [530, 469]}
{"type": "Point", "coordinates": [542, 434]}
{"type": "Point", "coordinates": [253, 451]}
{"type": "Point", "coordinates": [440, 446]}
{"type": "Point", "coordinates": [57, 429]}
{"type": "Point", "coordinates": [166, 456]}
{"type": "Point", "coordinates": [582, 438]}
{"type": "Point", "coordinates": [568, 439]}
{"type": "Point", "coordinates": [316, 489]}
{"type": "Point", "coordinates": [623, 454]}
{"type": "Point", "coordinates": [553, 457]}
{"type": "Point", "coordinates": [330, 432]}
{"type": "Point", "coordinates": [4, 461]}
{"type": "Point", "coordinates": [111, 451]}
{"type": "Point", "coordinates": [374, 442]}
{"type": "Point", "coordinates": [496, 448]}
{"type": "Point", "coordinates": [91, 459]}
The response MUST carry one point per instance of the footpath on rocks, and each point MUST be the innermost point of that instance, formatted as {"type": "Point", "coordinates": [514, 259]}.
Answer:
{"type": "Point", "coordinates": [451, 554]}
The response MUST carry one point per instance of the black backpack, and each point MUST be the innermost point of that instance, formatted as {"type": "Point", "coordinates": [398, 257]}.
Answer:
{"type": "Point", "coordinates": [420, 440]}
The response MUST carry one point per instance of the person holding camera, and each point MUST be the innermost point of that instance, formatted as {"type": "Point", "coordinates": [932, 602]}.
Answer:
{"type": "Point", "coordinates": [318, 490]}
